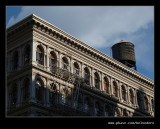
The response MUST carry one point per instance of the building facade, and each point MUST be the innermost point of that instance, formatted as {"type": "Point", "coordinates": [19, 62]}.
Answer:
{"type": "Point", "coordinates": [51, 73]}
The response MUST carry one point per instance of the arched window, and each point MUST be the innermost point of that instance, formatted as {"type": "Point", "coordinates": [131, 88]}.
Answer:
{"type": "Point", "coordinates": [125, 112]}
{"type": "Point", "coordinates": [117, 112]}
{"type": "Point", "coordinates": [107, 110]}
{"type": "Point", "coordinates": [14, 94]}
{"type": "Point", "coordinates": [39, 91]}
{"type": "Point", "coordinates": [66, 96]}
{"type": "Point", "coordinates": [97, 109]}
{"type": "Point", "coordinates": [25, 89]}
{"type": "Point", "coordinates": [79, 104]}
{"type": "Point", "coordinates": [65, 63]}
{"type": "Point", "coordinates": [106, 85]}
{"type": "Point", "coordinates": [87, 76]}
{"type": "Point", "coordinates": [27, 54]}
{"type": "Point", "coordinates": [152, 103]}
{"type": "Point", "coordinates": [96, 80]}
{"type": "Point", "coordinates": [139, 100]}
{"type": "Point", "coordinates": [86, 104]}
{"type": "Point", "coordinates": [115, 89]}
{"type": "Point", "coordinates": [52, 59]}
{"type": "Point", "coordinates": [76, 68]}
{"type": "Point", "coordinates": [131, 96]}
{"type": "Point", "coordinates": [40, 55]}
{"type": "Point", "coordinates": [52, 93]}
{"type": "Point", "coordinates": [123, 93]}
{"type": "Point", "coordinates": [146, 103]}
{"type": "Point", "coordinates": [15, 60]}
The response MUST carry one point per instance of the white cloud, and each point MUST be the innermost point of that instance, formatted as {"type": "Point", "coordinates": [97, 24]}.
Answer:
{"type": "Point", "coordinates": [94, 25]}
{"type": "Point", "coordinates": [99, 26]}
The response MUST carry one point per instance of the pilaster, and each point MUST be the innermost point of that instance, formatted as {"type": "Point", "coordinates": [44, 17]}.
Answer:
{"type": "Point", "coordinates": [47, 58]}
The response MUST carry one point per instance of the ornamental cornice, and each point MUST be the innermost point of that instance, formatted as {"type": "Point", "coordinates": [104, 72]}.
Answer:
{"type": "Point", "coordinates": [71, 41]}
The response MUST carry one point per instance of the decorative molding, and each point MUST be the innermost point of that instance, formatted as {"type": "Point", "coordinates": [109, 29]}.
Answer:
{"type": "Point", "coordinates": [62, 36]}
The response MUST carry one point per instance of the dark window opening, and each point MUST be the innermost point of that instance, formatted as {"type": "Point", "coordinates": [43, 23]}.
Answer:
{"type": "Point", "coordinates": [87, 76]}
{"type": "Point", "coordinates": [27, 54]}
{"type": "Point", "coordinates": [15, 60]}
{"type": "Point", "coordinates": [106, 85]}
{"type": "Point", "coordinates": [40, 55]}
{"type": "Point", "coordinates": [97, 80]}
{"type": "Point", "coordinates": [52, 60]}
{"type": "Point", "coordinates": [115, 89]}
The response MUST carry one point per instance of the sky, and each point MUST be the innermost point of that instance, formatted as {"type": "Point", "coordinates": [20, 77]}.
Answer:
{"type": "Point", "coordinates": [100, 27]}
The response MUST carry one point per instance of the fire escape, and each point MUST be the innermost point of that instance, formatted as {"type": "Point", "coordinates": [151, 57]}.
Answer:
{"type": "Point", "coordinates": [74, 78]}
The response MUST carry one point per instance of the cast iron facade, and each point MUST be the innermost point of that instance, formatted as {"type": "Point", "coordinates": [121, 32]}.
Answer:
{"type": "Point", "coordinates": [51, 73]}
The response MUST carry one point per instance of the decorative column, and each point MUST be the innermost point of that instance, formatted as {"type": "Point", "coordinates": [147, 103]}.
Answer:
{"type": "Point", "coordinates": [81, 70]}
{"type": "Point", "coordinates": [47, 93]}
{"type": "Point", "coordinates": [128, 96]}
{"type": "Point", "coordinates": [120, 90]}
{"type": "Point", "coordinates": [92, 82]}
{"type": "Point", "coordinates": [47, 58]}
{"type": "Point", "coordinates": [71, 64]}
{"type": "Point", "coordinates": [33, 53]}
{"type": "Point", "coordinates": [20, 61]}
{"type": "Point", "coordinates": [9, 62]}
{"type": "Point", "coordinates": [134, 98]}
{"type": "Point", "coordinates": [119, 93]}
{"type": "Point", "coordinates": [32, 88]}
{"type": "Point", "coordinates": [19, 93]}
{"type": "Point", "coordinates": [102, 83]}
{"type": "Point", "coordinates": [60, 59]}
{"type": "Point", "coordinates": [111, 87]}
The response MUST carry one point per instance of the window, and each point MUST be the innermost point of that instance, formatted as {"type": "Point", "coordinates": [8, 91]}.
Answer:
{"type": "Point", "coordinates": [97, 109]}
{"type": "Point", "coordinates": [125, 112]}
{"type": "Point", "coordinates": [15, 60]}
{"type": "Point", "coordinates": [146, 103]}
{"type": "Point", "coordinates": [131, 96]}
{"type": "Point", "coordinates": [115, 89]}
{"type": "Point", "coordinates": [139, 100]}
{"type": "Point", "coordinates": [106, 112]}
{"type": "Point", "coordinates": [66, 96]}
{"type": "Point", "coordinates": [87, 76]}
{"type": "Point", "coordinates": [52, 93]}
{"type": "Point", "coordinates": [86, 105]}
{"type": "Point", "coordinates": [51, 97]}
{"type": "Point", "coordinates": [152, 104]}
{"type": "Point", "coordinates": [65, 63]}
{"type": "Point", "coordinates": [13, 95]}
{"type": "Point", "coordinates": [96, 80]}
{"type": "Point", "coordinates": [76, 68]}
{"type": "Point", "coordinates": [123, 93]}
{"type": "Point", "coordinates": [40, 55]}
{"type": "Point", "coordinates": [39, 90]}
{"type": "Point", "coordinates": [27, 54]}
{"type": "Point", "coordinates": [25, 90]}
{"type": "Point", "coordinates": [52, 59]}
{"type": "Point", "coordinates": [117, 112]}
{"type": "Point", "coordinates": [79, 104]}
{"type": "Point", "coordinates": [106, 85]}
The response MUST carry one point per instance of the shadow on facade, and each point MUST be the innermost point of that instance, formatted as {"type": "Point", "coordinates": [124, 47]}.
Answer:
{"type": "Point", "coordinates": [57, 99]}
{"type": "Point", "coordinates": [142, 109]}
{"type": "Point", "coordinates": [73, 96]}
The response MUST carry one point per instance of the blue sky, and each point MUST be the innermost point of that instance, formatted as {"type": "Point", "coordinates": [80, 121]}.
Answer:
{"type": "Point", "coordinates": [100, 27]}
